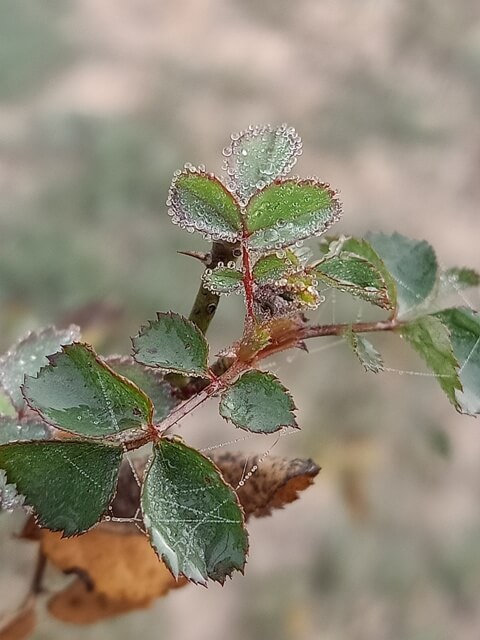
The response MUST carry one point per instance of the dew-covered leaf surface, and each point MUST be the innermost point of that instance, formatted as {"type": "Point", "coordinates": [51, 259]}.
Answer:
{"type": "Point", "coordinates": [78, 393]}
{"type": "Point", "coordinates": [192, 516]}
{"type": "Point", "coordinates": [174, 344]}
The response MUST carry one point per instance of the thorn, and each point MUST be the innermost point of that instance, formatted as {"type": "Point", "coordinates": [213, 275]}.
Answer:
{"type": "Point", "coordinates": [199, 255]}
{"type": "Point", "coordinates": [302, 345]}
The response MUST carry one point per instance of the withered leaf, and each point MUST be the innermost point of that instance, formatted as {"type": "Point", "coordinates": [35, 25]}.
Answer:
{"type": "Point", "coordinates": [121, 565]}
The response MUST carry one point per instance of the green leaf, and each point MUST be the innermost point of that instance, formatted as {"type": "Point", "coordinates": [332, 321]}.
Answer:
{"type": "Point", "coordinates": [355, 275]}
{"type": "Point", "coordinates": [258, 402]}
{"type": "Point", "coordinates": [29, 355]}
{"type": "Point", "coordinates": [413, 266]}
{"type": "Point", "coordinates": [455, 280]}
{"type": "Point", "coordinates": [173, 344]}
{"type": "Point", "coordinates": [431, 339]}
{"type": "Point", "coordinates": [18, 429]}
{"type": "Point", "coordinates": [369, 357]}
{"type": "Point", "coordinates": [363, 249]}
{"type": "Point", "coordinates": [223, 279]}
{"type": "Point", "coordinates": [464, 327]}
{"type": "Point", "coordinates": [289, 211]}
{"type": "Point", "coordinates": [69, 484]}
{"type": "Point", "coordinates": [192, 516]}
{"type": "Point", "coordinates": [199, 201]}
{"type": "Point", "coordinates": [273, 267]}
{"type": "Point", "coordinates": [258, 156]}
{"type": "Point", "coordinates": [150, 381]}
{"type": "Point", "coordinates": [6, 405]}
{"type": "Point", "coordinates": [78, 393]}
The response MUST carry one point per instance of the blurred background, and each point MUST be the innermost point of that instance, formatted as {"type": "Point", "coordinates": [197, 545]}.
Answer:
{"type": "Point", "coordinates": [100, 101]}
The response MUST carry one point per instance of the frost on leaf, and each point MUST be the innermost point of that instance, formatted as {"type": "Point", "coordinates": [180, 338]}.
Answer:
{"type": "Point", "coordinates": [80, 476]}
{"type": "Point", "coordinates": [289, 211]}
{"type": "Point", "coordinates": [79, 393]}
{"type": "Point", "coordinates": [456, 279]}
{"type": "Point", "coordinates": [199, 201]}
{"type": "Point", "coordinates": [192, 516]}
{"type": "Point", "coordinates": [464, 327]}
{"type": "Point", "coordinates": [258, 156]}
{"type": "Point", "coordinates": [275, 266]}
{"type": "Point", "coordinates": [223, 279]}
{"type": "Point", "coordinates": [258, 402]}
{"type": "Point", "coordinates": [29, 355]}
{"type": "Point", "coordinates": [174, 344]}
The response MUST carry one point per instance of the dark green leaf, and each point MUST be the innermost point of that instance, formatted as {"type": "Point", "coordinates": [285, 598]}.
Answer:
{"type": "Point", "coordinates": [16, 429]}
{"type": "Point", "coordinates": [150, 381]}
{"type": "Point", "coordinates": [431, 339]}
{"type": "Point", "coordinates": [363, 249]}
{"type": "Point", "coordinates": [258, 156]}
{"type": "Point", "coordinates": [173, 344]}
{"type": "Point", "coordinates": [413, 266]}
{"type": "Point", "coordinates": [78, 393]}
{"type": "Point", "coordinates": [273, 267]}
{"type": "Point", "coordinates": [258, 402]}
{"type": "Point", "coordinates": [355, 275]}
{"type": "Point", "coordinates": [369, 357]}
{"type": "Point", "coordinates": [199, 201]}
{"type": "Point", "coordinates": [464, 327]}
{"type": "Point", "coordinates": [193, 518]}
{"type": "Point", "coordinates": [289, 211]}
{"type": "Point", "coordinates": [223, 279]}
{"type": "Point", "coordinates": [69, 484]}
{"type": "Point", "coordinates": [29, 355]}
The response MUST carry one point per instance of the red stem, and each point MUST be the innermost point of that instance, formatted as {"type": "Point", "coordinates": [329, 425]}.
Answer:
{"type": "Point", "coordinates": [247, 279]}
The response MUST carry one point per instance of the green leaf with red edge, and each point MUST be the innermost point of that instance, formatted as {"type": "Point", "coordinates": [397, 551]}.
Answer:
{"type": "Point", "coordinates": [354, 275]}
{"type": "Point", "coordinates": [69, 484]}
{"type": "Point", "coordinates": [258, 402]}
{"type": "Point", "coordinates": [29, 355]}
{"type": "Point", "coordinates": [193, 518]}
{"type": "Point", "coordinates": [77, 392]}
{"type": "Point", "coordinates": [464, 327]}
{"type": "Point", "coordinates": [258, 156]}
{"type": "Point", "coordinates": [199, 201]}
{"type": "Point", "coordinates": [150, 381]}
{"type": "Point", "coordinates": [289, 211]}
{"type": "Point", "coordinates": [223, 280]}
{"type": "Point", "coordinates": [172, 343]}
{"type": "Point", "coordinates": [430, 338]}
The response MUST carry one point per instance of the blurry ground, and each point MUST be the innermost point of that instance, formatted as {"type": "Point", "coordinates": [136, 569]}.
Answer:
{"type": "Point", "coordinates": [100, 101]}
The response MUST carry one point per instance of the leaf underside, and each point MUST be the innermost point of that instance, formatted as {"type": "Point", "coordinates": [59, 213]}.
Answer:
{"type": "Point", "coordinates": [193, 518]}
{"type": "Point", "coordinates": [29, 355]}
{"type": "Point", "coordinates": [258, 402]}
{"type": "Point", "coordinates": [369, 357]}
{"type": "Point", "coordinates": [172, 343]}
{"type": "Point", "coordinates": [78, 393]}
{"type": "Point", "coordinates": [69, 484]}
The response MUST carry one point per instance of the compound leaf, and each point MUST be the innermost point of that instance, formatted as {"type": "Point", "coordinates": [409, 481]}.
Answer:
{"type": "Point", "coordinates": [223, 279]}
{"type": "Point", "coordinates": [258, 156]}
{"type": "Point", "coordinates": [413, 266]}
{"type": "Point", "coordinates": [369, 357]}
{"type": "Point", "coordinates": [199, 201]}
{"type": "Point", "coordinates": [464, 327]}
{"type": "Point", "coordinates": [173, 344]}
{"type": "Point", "coordinates": [29, 355]}
{"type": "Point", "coordinates": [192, 516]}
{"type": "Point", "coordinates": [258, 402]}
{"type": "Point", "coordinates": [79, 393]}
{"type": "Point", "coordinates": [355, 275]}
{"type": "Point", "coordinates": [69, 484]}
{"type": "Point", "coordinates": [289, 211]}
